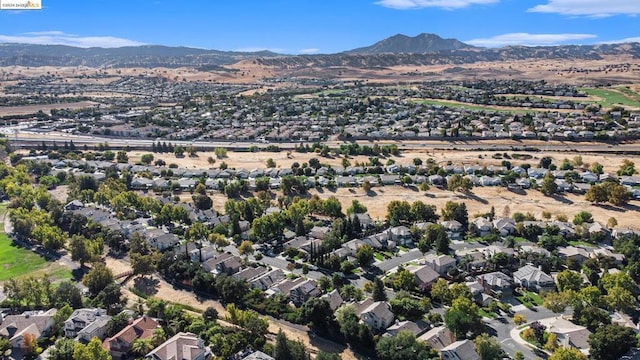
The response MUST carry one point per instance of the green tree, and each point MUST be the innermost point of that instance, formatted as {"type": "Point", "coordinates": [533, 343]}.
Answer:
{"type": "Point", "coordinates": [364, 255]}
{"type": "Point", "coordinates": [456, 211]}
{"type": "Point", "coordinates": [178, 151]}
{"type": "Point", "coordinates": [488, 348]}
{"type": "Point", "coordinates": [597, 194]}
{"type": "Point", "coordinates": [403, 346]}
{"type": "Point", "coordinates": [436, 237]}
{"type": "Point", "coordinates": [378, 294]}
{"type": "Point", "coordinates": [98, 278]}
{"type": "Point", "coordinates": [441, 292]}
{"type": "Point", "coordinates": [627, 168]}
{"type": "Point", "coordinates": [144, 264]}
{"type": "Point", "coordinates": [458, 182]}
{"type": "Point", "coordinates": [597, 168]}
{"type": "Point", "coordinates": [92, 351]}
{"type": "Point", "coordinates": [245, 248]}
{"type": "Point", "coordinates": [610, 342]}
{"type": "Point", "coordinates": [403, 279]}
{"type": "Point", "coordinates": [570, 353]}
{"type": "Point", "coordinates": [398, 212]}
{"type": "Point", "coordinates": [356, 208]}
{"type": "Point", "coordinates": [270, 163]}
{"type": "Point", "coordinates": [569, 280]}
{"type": "Point", "coordinates": [462, 317]}
{"type": "Point", "coordinates": [63, 350]}
{"type": "Point", "coordinates": [556, 302]}
{"type": "Point", "coordinates": [146, 159]}
{"type": "Point", "coordinates": [583, 217]}
{"type": "Point", "coordinates": [317, 313]}
{"type": "Point", "coordinates": [548, 186]}
{"type": "Point", "coordinates": [80, 251]}
{"type": "Point", "coordinates": [122, 157]}
{"type": "Point", "coordinates": [281, 350]}
{"type": "Point", "coordinates": [423, 212]}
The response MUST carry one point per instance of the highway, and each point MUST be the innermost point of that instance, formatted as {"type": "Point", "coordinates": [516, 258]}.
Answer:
{"type": "Point", "coordinates": [22, 138]}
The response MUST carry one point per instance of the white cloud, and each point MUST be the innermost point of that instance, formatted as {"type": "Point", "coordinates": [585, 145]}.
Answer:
{"type": "Point", "coordinates": [594, 8]}
{"type": "Point", "coordinates": [528, 39]}
{"type": "Point", "coordinates": [421, 4]}
{"type": "Point", "coordinates": [308, 51]}
{"type": "Point", "coordinates": [621, 41]}
{"type": "Point", "coordinates": [61, 38]}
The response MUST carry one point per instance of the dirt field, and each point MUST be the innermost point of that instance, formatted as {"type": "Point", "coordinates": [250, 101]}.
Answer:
{"type": "Point", "coordinates": [32, 109]}
{"type": "Point", "coordinates": [246, 160]}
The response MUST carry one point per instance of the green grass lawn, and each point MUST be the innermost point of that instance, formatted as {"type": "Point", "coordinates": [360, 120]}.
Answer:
{"type": "Point", "coordinates": [378, 256]}
{"type": "Point", "coordinates": [581, 243]}
{"type": "Point", "coordinates": [16, 261]}
{"type": "Point", "coordinates": [530, 299]}
{"type": "Point", "coordinates": [472, 107]}
{"type": "Point", "coordinates": [486, 314]}
{"type": "Point", "coordinates": [614, 97]}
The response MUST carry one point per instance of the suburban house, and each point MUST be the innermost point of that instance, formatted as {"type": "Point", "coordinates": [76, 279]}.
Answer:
{"type": "Point", "coordinates": [182, 346]}
{"type": "Point", "coordinates": [119, 344]}
{"type": "Point", "coordinates": [438, 337]}
{"type": "Point", "coordinates": [570, 334]}
{"type": "Point", "coordinates": [505, 226]}
{"type": "Point", "coordinates": [425, 276]}
{"type": "Point", "coordinates": [375, 314]}
{"type": "Point", "coordinates": [265, 281]}
{"type": "Point", "coordinates": [440, 263]}
{"type": "Point", "coordinates": [577, 254]}
{"type": "Point", "coordinates": [303, 292]}
{"type": "Point", "coordinates": [401, 235]}
{"type": "Point", "coordinates": [496, 284]}
{"type": "Point", "coordinates": [334, 299]}
{"type": "Point", "coordinates": [86, 323]}
{"type": "Point", "coordinates": [416, 328]}
{"type": "Point", "coordinates": [454, 229]}
{"type": "Point", "coordinates": [481, 226]}
{"type": "Point", "coordinates": [15, 327]}
{"type": "Point", "coordinates": [460, 350]}
{"type": "Point", "coordinates": [223, 263]}
{"type": "Point", "coordinates": [533, 278]}
{"type": "Point", "coordinates": [163, 241]}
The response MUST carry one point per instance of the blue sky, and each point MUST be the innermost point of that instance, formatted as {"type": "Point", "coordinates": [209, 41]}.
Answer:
{"type": "Point", "coordinates": [319, 26]}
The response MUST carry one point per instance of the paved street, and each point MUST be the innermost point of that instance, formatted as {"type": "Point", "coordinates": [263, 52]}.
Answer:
{"type": "Point", "coordinates": [394, 262]}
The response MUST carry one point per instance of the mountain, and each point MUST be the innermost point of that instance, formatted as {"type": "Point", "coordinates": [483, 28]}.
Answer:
{"type": "Point", "coordinates": [424, 49]}
{"type": "Point", "coordinates": [420, 44]}
{"type": "Point", "coordinates": [128, 56]}
{"type": "Point", "coordinates": [455, 57]}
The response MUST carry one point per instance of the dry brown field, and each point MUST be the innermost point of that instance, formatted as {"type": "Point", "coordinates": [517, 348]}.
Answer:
{"type": "Point", "coordinates": [283, 159]}
{"type": "Point", "coordinates": [479, 201]}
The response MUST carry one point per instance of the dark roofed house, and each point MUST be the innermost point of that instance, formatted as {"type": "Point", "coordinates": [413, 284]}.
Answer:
{"type": "Point", "coordinates": [303, 292]}
{"type": "Point", "coordinates": [438, 337]}
{"type": "Point", "coordinates": [496, 284]}
{"type": "Point", "coordinates": [459, 350]}
{"type": "Point", "coordinates": [425, 276]}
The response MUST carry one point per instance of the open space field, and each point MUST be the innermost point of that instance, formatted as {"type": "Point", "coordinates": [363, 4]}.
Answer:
{"type": "Point", "coordinates": [46, 108]}
{"type": "Point", "coordinates": [16, 261]}
{"type": "Point", "coordinates": [479, 201]}
{"type": "Point", "coordinates": [249, 160]}
{"type": "Point", "coordinates": [611, 97]}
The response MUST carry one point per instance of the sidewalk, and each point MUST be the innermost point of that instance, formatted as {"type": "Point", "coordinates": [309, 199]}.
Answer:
{"type": "Point", "coordinates": [515, 334]}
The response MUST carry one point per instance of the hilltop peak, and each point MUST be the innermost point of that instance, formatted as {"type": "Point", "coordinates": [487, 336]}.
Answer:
{"type": "Point", "coordinates": [419, 44]}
